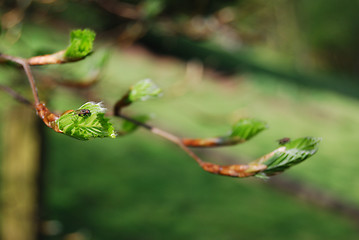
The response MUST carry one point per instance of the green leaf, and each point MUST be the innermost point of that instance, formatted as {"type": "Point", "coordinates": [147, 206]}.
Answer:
{"type": "Point", "coordinates": [247, 128]}
{"type": "Point", "coordinates": [86, 122]}
{"type": "Point", "coordinates": [81, 43]}
{"type": "Point", "coordinates": [144, 90]}
{"type": "Point", "coordinates": [290, 154]}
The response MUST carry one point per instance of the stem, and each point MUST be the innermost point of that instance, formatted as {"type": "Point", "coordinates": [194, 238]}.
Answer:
{"type": "Point", "coordinates": [32, 82]}
{"type": "Point", "coordinates": [15, 95]}
{"type": "Point", "coordinates": [166, 135]}
{"type": "Point", "coordinates": [235, 170]}
{"type": "Point", "coordinates": [177, 141]}
{"type": "Point", "coordinates": [24, 63]}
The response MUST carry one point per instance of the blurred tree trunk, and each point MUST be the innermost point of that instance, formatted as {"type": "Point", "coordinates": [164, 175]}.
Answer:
{"type": "Point", "coordinates": [20, 174]}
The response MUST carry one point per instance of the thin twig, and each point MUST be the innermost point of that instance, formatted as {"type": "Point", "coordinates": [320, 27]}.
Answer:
{"type": "Point", "coordinates": [24, 63]}
{"type": "Point", "coordinates": [15, 95]}
{"type": "Point", "coordinates": [177, 141]}
{"type": "Point", "coordinates": [166, 135]}
{"type": "Point", "coordinates": [212, 142]}
{"type": "Point", "coordinates": [235, 170]}
{"type": "Point", "coordinates": [31, 81]}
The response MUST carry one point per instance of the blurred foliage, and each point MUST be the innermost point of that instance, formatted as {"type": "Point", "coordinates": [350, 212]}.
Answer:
{"type": "Point", "coordinates": [320, 34]}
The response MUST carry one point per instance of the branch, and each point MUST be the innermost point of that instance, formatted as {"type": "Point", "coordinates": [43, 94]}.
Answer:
{"type": "Point", "coordinates": [235, 170]}
{"type": "Point", "coordinates": [43, 112]}
{"type": "Point", "coordinates": [89, 120]}
{"type": "Point", "coordinates": [28, 72]}
{"type": "Point", "coordinates": [288, 154]}
{"type": "Point", "coordinates": [81, 44]}
{"type": "Point", "coordinates": [142, 91]}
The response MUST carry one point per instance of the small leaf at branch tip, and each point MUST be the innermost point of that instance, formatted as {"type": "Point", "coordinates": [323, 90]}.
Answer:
{"type": "Point", "coordinates": [144, 90]}
{"type": "Point", "coordinates": [289, 154]}
{"type": "Point", "coordinates": [81, 44]}
{"type": "Point", "coordinates": [247, 128]}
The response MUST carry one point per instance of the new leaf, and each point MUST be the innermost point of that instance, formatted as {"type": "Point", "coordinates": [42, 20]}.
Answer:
{"type": "Point", "coordinates": [87, 122]}
{"type": "Point", "coordinates": [144, 90]}
{"type": "Point", "coordinates": [289, 154]}
{"type": "Point", "coordinates": [81, 44]}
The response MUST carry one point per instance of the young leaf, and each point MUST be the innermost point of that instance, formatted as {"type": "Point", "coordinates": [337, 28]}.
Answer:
{"type": "Point", "coordinates": [247, 128]}
{"type": "Point", "coordinates": [289, 154]}
{"type": "Point", "coordinates": [144, 90]}
{"type": "Point", "coordinates": [86, 122]}
{"type": "Point", "coordinates": [81, 43]}
{"type": "Point", "coordinates": [242, 131]}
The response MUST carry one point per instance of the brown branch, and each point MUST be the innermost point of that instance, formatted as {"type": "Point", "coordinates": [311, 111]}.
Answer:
{"type": "Point", "coordinates": [124, 102]}
{"type": "Point", "coordinates": [49, 118]}
{"type": "Point", "coordinates": [188, 142]}
{"type": "Point", "coordinates": [54, 58]}
{"type": "Point", "coordinates": [234, 170]}
{"type": "Point", "coordinates": [24, 63]}
{"type": "Point", "coordinates": [212, 142]}
{"type": "Point", "coordinates": [43, 112]}
{"type": "Point", "coordinates": [302, 191]}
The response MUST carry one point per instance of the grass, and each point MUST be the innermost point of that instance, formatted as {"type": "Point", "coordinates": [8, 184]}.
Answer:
{"type": "Point", "coordinates": [135, 188]}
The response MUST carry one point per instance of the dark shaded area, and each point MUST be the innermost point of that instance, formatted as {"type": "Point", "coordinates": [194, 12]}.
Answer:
{"type": "Point", "coordinates": [237, 62]}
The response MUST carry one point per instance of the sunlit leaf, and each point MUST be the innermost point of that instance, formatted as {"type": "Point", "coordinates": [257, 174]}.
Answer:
{"type": "Point", "coordinates": [247, 128]}
{"type": "Point", "coordinates": [144, 90]}
{"type": "Point", "coordinates": [81, 44]}
{"type": "Point", "coordinates": [86, 122]}
{"type": "Point", "coordinates": [289, 154]}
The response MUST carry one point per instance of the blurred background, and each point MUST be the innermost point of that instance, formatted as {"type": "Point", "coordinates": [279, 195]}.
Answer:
{"type": "Point", "coordinates": [293, 64]}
